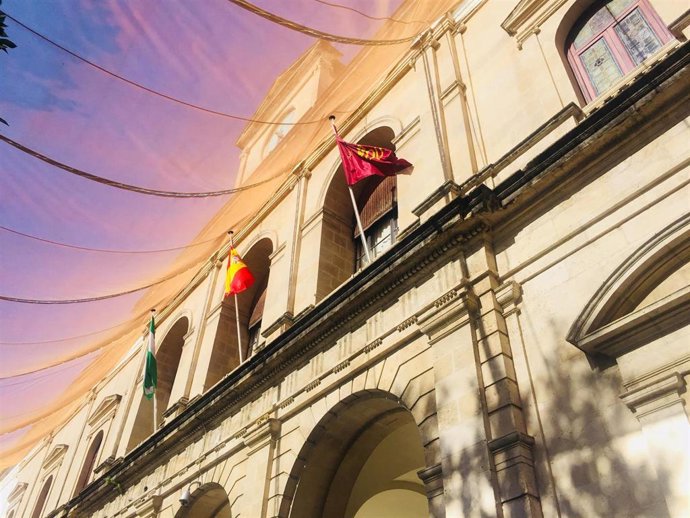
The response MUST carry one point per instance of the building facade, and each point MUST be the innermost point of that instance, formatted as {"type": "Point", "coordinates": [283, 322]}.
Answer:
{"type": "Point", "coordinates": [518, 345]}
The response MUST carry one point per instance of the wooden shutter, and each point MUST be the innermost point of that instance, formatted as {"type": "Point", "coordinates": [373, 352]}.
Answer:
{"type": "Point", "coordinates": [376, 201]}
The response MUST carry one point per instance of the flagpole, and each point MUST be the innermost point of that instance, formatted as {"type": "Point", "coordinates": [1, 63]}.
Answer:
{"type": "Point", "coordinates": [237, 306]}
{"type": "Point", "coordinates": [155, 399]}
{"type": "Point", "coordinates": [354, 203]}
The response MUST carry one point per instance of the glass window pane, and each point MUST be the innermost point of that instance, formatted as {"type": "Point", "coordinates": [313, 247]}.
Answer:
{"type": "Point", "coordinates": [637, 37]}
{"type": "Point", "coordinates": [600, 65]}
{"type": "Point", "coordinates": [594, 26]}
{"type": "Point", "coordinates": [618, 6]}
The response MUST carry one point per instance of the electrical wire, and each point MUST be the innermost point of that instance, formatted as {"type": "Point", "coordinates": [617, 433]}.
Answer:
{"type": "Point", "coordinates": [20, 300]}
{"type": "Point", "coordinates": [365, 15]}
{"type": "Point", "coordinates": [67, 339]}
{"type": "Point", "coordinates": [155, 92]}
{"type": "Point", "coordinates": [108, 250]}
{"type": "Point", "coordinates": [315, 33]}
{"type": "Point", "coordinates": [129, 187]}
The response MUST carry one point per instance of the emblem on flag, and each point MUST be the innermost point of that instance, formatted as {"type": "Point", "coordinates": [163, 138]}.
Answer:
{"type": "Point", "coordinates": [360, 161]}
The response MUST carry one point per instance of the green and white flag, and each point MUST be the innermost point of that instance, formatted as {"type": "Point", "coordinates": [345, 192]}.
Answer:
{"type": "Point", "coordinates": [150, 370]}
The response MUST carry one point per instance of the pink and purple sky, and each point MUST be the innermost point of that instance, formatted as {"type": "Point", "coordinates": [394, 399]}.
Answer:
{"type": "Point", "coordinates": [212, 54]}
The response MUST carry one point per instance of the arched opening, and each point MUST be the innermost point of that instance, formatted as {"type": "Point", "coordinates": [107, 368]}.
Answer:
{"type": "Point", "coordinates": [361, 461]}
{"type": "Point", "coordinates": [168, 355]}
{"type": "Point", "coordinates": [341, 250]}
{"type": "Point", "coordinates": [209, 501]}
{"type": "Point", "coordinates": [42, 497]}
{"type": "Point", "coordinates": [608, 39]}
{"type": "Point", "coordinates": [89, 463]}
{"type": "Point", "coordinates": [225, 355]}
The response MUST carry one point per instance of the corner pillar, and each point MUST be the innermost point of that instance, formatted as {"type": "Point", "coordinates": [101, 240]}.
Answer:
{"type": "Point", "coordinates": [660, 409]}
{"type": "Point", "coordinates": [433, 484]}
{"type": "Point", "coordinates": [260, 441]}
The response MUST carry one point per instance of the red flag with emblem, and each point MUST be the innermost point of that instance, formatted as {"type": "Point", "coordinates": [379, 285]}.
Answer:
{"type": "Point", "coordinates": [360, 161]}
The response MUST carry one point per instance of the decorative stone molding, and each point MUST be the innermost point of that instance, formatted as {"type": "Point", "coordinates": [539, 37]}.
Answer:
{"type": "Point", "coordinates": [177, 407]}
{"type": "Point", "coordinates": [54, 459]}
{"type": "Point", "coordinates": [149, 507]}
{"type": "Point", "coordinates": [604, 327]}
{"type": "Point", "coordinates": [17, 493]}
{"type": "Point", "coordinates": [312, 385]}
{"type": "Point", "coordinates": [105, 411]}
{"type": "Point", "coordinates": [373, 345]}
{"type": "Point", "coordinates": [341, 366]}
{"type": "Point", "coordinates": [433, 480]}
{"type": "Point", "coordinates": [655, 396]}
{"type": "Point", "coordinates": [449, 312]}
{"type": "Point", "coordinates": [107, 464]}
{"type": "Point", "coordinates": [508, 296]}
{"type": "Point", "coordinates": [528, 16]}
{"type": "Point", "coordinates": [404, 325]}
{"type": "Point", "coordinates": [264, 429]}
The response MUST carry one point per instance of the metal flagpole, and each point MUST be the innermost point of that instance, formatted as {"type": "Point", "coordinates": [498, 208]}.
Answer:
{"type": "Point", "coordinates": [237, 306]}
{"type": "Point", "coordinates": [354, 203]}
{"type": "Point", "coordinates": [155, 399]}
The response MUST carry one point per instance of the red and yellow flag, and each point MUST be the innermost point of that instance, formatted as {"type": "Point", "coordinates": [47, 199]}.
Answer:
{"type": "Point", "coordinates": [360, 161]}
{"type": "Point", "coordinates": [238, 277]}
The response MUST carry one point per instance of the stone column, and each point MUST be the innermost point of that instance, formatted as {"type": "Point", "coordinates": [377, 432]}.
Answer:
{"type": "Point", "coordinates": [660, 409]}
{"type": "Point", "coordinates": [509, 444]}
{"type": "Point", "coordinates": [260, 441]}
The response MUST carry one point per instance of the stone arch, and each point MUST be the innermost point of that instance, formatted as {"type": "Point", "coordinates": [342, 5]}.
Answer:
{"type": "Point", "coordinates": [89, 462]}
{"type": "Point", "coordinates": [168, 355]}
{"type": "Point", "coordinates": [337, 250]}
{"type": "Point", "coordinates": [639, 301]}
{"type": "Point", "coordinates": [225, 353]}
{"type": "Point", "coordinates": [363, 456]}
{"type": "Point", "coordinates": [210, 500]}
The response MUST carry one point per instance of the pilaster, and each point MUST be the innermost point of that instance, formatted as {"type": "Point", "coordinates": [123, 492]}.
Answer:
{"type": "Point", "coordinates": [660, 409]}
{"type": "Point", "coordinates": [433, 484]}
{"type": "Point", "coordinates": [510, 446]}
{"type": "Point", "coordinates": [260, 441]}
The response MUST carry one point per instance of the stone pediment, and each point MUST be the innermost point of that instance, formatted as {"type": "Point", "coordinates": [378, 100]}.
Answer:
{"type": "Point", "coordinates": [527, 16]}
{"type": "Point", "coordinates": [17, 492]}
{"type": "Point", "coordinates": [645, 297]}
{"type": "Point", "coordinates": [55, 457]}
{"type": "Point", "coordinates": [104, 410]}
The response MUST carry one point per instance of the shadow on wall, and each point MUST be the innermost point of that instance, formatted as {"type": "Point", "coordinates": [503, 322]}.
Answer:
{"type": "Point", "coordinates": [597, 455]}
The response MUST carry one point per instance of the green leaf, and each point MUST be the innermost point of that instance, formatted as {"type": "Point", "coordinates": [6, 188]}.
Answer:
{"type": "Point", "coordinates": [4, 121]}
{"type": "Point", "coordinates": [4, 42]}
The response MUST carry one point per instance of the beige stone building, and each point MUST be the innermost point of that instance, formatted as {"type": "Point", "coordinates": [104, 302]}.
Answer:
{"type": "Point", "coordinates": [518, 347]}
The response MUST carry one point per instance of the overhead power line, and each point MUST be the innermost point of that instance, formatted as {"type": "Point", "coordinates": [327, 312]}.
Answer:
{"type": "Point", "coordinates": [21, 300]}
{"type": "Point", "coordinates": [129, 187]}
{"type": "Point", "coordinates": [315, 33]}
{"type": "Point", "coordinates": [109, 250]}
{"type": "Point", "coordinates": [365, 15]}
{"type": "Point", "coordinates": [155, 92]}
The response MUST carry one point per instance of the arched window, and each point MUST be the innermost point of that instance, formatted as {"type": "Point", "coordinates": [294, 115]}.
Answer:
{"type": "Point", "coordinates": [89, 462]}
{"type": "Point", "coordinates": [610, 39]}
{"type": "Point", "coordinates": [341, 251]}
{"type": "Point", "coordinates": [42, 497]}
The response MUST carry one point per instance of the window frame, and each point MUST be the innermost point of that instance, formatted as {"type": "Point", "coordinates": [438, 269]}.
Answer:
{"type": "Point", "coordinates": [613, 41]}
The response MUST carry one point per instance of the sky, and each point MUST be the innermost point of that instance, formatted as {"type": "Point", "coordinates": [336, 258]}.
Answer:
{"type": "Point", "coordinates": [212, 54]}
